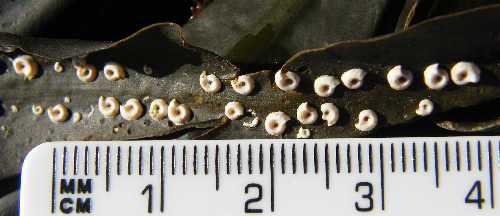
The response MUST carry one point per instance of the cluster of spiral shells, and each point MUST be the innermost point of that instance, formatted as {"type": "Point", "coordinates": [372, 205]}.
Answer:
{"type": "Point", "coordinates": [58, 113]}
{"type": "Point", "coordinates": [399, 78]}
{"type": "Point", "coordinates": [27, 67]}
{"type": "Point", "coordinates": [133, 109]}
{"type": "Point", "coordinates": [109, 107]}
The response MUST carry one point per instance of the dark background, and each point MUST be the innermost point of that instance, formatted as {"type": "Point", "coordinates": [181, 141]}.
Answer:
{"type": "Point", "coordinates": [90, 19]}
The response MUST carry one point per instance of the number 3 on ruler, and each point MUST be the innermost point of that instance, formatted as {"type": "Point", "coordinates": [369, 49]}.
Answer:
{"type": "Point", "coordinates": [367, 196]}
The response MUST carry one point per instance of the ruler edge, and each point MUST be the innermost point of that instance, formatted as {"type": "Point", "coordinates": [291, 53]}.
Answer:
{"type": "Point", "coordinates": [45, 147]}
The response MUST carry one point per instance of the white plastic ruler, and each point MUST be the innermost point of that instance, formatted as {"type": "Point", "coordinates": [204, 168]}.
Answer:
{"type": "Point", "coordinates": [391, 176]}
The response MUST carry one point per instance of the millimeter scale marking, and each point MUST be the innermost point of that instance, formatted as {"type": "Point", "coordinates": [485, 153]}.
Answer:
{"type": "Point", "coordinates": [382, 176]}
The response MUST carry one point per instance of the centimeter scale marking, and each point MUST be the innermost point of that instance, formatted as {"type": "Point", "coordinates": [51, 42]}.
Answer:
{"type": "Point", "coordinates": [168, 164]}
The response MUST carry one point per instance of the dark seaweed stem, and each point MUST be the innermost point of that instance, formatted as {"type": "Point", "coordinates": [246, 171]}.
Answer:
{"type": "Point", "coordinates": [398, 78]}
